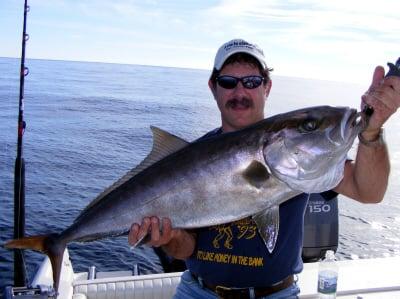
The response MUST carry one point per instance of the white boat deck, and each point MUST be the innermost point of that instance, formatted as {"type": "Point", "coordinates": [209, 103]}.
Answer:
{"type": "Point", "coordinates": [364, 278]}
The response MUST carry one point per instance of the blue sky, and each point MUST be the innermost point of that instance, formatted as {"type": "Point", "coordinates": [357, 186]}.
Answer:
{"type": "Point", "coordinates": [325, 39]}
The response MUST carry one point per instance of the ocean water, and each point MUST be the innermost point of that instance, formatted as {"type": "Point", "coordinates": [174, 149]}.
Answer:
{"type": "Point", "coordinates": [88, 124]}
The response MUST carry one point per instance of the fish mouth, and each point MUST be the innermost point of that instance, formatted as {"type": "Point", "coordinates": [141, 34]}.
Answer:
{"type": "Point", "coordinates": [353, 123]}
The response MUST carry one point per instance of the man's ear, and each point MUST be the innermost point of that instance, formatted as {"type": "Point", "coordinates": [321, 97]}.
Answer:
{"type": "Point", "coordinates": [212, 87]}
{"type": "Point", "coordinates": [268, 88]}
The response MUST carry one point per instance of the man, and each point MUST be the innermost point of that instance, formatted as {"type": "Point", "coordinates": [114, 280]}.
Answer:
{"type": "Point", "coordinates": [240, 84]}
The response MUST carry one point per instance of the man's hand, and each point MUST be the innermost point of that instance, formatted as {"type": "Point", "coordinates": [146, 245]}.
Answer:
{"type": "Point", "coordinates": [152, 226]}
{"type": "Point", "coordinates": [384, 96]}
{"type": "Point", "coordinates": [366, 178]}
{"type": "Point", "coordinates": [177, 243]}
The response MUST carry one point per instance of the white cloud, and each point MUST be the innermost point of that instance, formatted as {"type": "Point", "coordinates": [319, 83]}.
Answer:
{"type": "Point", "coordinates": [301, 38]}
{"type": "Point", "coordinates": [325, 34]}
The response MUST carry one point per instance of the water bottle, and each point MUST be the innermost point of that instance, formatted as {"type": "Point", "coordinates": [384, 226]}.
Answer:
{"type": "Point", "coordinates": [327, 276]}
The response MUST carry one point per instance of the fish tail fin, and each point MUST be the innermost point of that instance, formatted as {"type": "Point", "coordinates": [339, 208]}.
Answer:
{"type": "Point", "coordinates": [51, 245]}
{"type": "Point", "coordinates": [34, 242]}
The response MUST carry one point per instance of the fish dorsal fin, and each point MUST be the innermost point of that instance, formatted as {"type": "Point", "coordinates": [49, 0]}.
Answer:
{"type": "Point", "coordinates": [164, 144]}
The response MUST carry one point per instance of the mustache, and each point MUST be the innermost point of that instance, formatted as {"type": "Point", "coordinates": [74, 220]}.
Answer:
{"type": "Point", "coordinates": [235, 102]}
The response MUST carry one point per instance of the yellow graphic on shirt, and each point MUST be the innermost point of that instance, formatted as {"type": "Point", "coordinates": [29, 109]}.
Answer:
{"type": "Point", "coordinates": [225, 234]}
{"type": "Point", "coordinates": [246, 229]}
{"type": "Point", "coordinates": [226, 258]}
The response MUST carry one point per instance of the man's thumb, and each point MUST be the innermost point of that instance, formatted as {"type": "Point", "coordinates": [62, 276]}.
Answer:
{"type": "Point", "coordinates": [379, 73]}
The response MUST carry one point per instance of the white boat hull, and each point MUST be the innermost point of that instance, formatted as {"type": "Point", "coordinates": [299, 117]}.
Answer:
{"type": "Point", "coordinates": [366, 278]}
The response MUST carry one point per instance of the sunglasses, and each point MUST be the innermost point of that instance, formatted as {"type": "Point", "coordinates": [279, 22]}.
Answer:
{"type": "Point", "coordinates": [230, 82]}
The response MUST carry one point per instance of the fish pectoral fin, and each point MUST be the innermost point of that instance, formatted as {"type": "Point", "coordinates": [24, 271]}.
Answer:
{"type": "Point", "coordinates": [267, 223]}
{"type": "Point", "coordinates": [256, 174]}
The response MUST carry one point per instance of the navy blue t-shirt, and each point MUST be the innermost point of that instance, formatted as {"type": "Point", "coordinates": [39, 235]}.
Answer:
{"type": "Point", "coordinates": [234, 254]}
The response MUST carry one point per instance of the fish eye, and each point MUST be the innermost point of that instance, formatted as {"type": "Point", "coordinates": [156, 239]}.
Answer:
{"type": "Point", "coordinates": [308, 125]}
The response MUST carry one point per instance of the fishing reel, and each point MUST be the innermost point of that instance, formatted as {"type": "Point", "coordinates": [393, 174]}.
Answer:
{"type": "Point", "coordinates": [394, 69]}
{"type": "Point", "coordinates": [39, 292]}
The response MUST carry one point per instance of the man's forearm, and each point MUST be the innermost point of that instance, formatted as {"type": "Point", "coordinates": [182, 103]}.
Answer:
{"type": "Point", "coordinates": [372, 169]}
{"type": "Point", "coordinates": [366, 178]}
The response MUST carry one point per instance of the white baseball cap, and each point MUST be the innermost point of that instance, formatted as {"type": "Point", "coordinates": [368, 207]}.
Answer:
{"type": "Point", "coordinates": [238, 46]}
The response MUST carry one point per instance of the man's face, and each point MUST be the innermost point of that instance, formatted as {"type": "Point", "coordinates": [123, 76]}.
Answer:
{"type": "Point", "coordinates": [239, 106]}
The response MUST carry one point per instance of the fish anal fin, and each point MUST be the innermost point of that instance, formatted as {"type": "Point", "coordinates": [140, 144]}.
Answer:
{"type": "Point", "coordinates": [146, 238]}
{"type": "Point", "coordinates": [143, 240]}
{"type": "Point", "coordinates": [256, 174]}
{"type": "Point", "coordinates": [267, 222]}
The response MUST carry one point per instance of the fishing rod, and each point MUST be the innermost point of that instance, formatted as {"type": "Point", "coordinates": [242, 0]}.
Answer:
{"type": "Point", "coordinates": [19, 174]}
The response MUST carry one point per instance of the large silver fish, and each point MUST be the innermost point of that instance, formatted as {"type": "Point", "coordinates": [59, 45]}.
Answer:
{"type": "Point", "coordinates": [218, 179]}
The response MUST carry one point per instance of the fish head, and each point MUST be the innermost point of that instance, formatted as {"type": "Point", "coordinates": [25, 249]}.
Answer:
{"type": "Point", "coordinates": [307, 148]}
